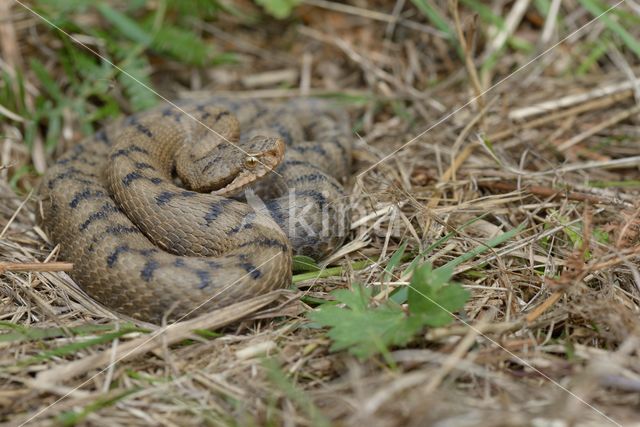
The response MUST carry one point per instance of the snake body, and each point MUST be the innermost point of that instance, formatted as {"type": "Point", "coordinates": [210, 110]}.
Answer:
{"type": "Point", "coordinates": [150, 210]}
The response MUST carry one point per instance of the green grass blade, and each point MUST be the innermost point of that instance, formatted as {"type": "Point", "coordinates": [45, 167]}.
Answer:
{"type": "Point", "coordinates": [492, 243]}
{"type": "Point", "coordinates": [631, 183]}
{"type": "Point", "coordinates": [328, 272]}
{"type": "Point", "coordinates": [72, 418]}
{"type": "Point", "coordinates": [439, 243]}
{"type": "Point", "coordinates": [597, 10]}
{"type": "Point", "coordinates": [127, 26]}
{"type": "Point", "coordinates": [304, 263]}
{"type": "Point", "coordinates": [45, 79]}
{"type": "Point", "coordinates": [393, 261]}
{"type": "Point", "coordinates": [74, 347]}
{"type": "Point", "coordinates": [597, 51]}
{"type": "Point", "coordinates": [24, 333]}
{"type": "Point", "coordinates": [436, 18]}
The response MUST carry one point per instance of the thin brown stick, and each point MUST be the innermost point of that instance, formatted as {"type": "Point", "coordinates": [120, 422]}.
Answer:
{"type": "Point", "coordinates": [459, 352]}
{"type": "Point", "coordinates": [569, 100]}
{"type": "Point", "coordinates": [35, 266]}
{"type": "Point", "coordinates": [542, 191]}
{"type": "Point", "coordinates": [463, 156]}
{"type": "Point", "coordinates": [468, 54]}
{"type": "Point", "coordinates": [375, 15]}
{"type": "Point", "coordinates": [582, 108]}
{"type": "Point", "coordinates": [537, 312]}
{"type": "Point", "coordinates": [597, 128]}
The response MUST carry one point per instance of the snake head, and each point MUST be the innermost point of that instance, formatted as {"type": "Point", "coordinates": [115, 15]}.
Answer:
{"type": "Point", "coordinates": [228, 168]}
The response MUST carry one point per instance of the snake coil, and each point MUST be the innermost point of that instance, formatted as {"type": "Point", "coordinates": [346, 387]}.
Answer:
{"type": "Point", "coordinates": [150, 209]}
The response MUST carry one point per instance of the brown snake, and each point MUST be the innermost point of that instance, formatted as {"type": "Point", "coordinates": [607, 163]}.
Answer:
{"type": "Point", "coordinates": [150, 209]}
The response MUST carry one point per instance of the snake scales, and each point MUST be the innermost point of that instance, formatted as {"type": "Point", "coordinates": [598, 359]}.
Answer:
{"type": "Point", "coordinates": [150, 209]}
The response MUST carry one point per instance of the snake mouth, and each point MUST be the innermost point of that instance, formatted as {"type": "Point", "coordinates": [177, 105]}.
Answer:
{"type": "Point", "coordinates": [239, 182]}
{"type": "Point", "coordinates": [222, 184]}
{"type": "Point", "coordinates": [255, 166]}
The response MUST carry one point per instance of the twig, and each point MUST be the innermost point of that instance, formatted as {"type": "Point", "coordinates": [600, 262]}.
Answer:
{"type": "Point", "coordinates": [368, 65]}
{"type": "Point", "coordinates": [9, 45]}
{"type": "Point", "coordinates": [542, 191]}
{"type": "Point", "coordinates": [582, 108]}
{"type": "Point", "coordinates": [457, 355]}
{"type": "Point", "coordinates": [276, 93]}
{"type": "Point", "coordinates": [596, 164]}
{"type": "Point", "coordinates": [395, 14]}
{"type": "Point", "coordinates": [484, 328]}
{"type": "Point", "coordinates": [374, 15]}
{"type": "Point", "coordinates": [15, 214]}
{"type": "Point", "coordinates": [468, 54]}
{"type": "Point", "coordinates": [460, 158]}
{"type": "Point", "coordinates": [464, 155]}
{"type": "Point", "coordinates": [35, 266]}
{"type": "Point", "coordinates": [597, 128]}
{"type": "Point", "coordinates": [550, 22]}
{"type": "Point", "coordinates": [569, 100]}
{"type": "Point", "coordinates": [510, 24]}
{"type": "Point", "coordinates": [11, 115]}
{"type": "Point", "coordinates": [537, 312]}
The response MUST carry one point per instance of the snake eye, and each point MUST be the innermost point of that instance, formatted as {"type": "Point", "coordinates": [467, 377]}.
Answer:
{"type": "Point", "coordinates": [251, 162]}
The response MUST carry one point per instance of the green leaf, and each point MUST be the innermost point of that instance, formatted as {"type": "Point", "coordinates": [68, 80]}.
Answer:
{"type": "Point", "coordinates": [632, 183]}
{"type": "Point", "coordinates": [441, 241]}
{"type": "Point", "coordinates": [598, 50]}
{"type": "Point", "coordinates": [366, 330]}
{"type": "Point", "coordinates": [278, 8]}
{"type": "Point", "coordinates": [432, 298]}
{"type": "Point", "coordinates": [361, 330]}
{"type": "Point", "coordinates": [53, 130]}
{"type": "Point", "coordinates": [200, 8]}
{"type": "Point", "coordinates": [21, 172]}
{"type": "Point", "coordinates": [489, 146]}
{"type": "Point", "coordinates": [543, 6]}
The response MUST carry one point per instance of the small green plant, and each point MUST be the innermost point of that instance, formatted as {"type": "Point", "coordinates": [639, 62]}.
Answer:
{"type": "Point", "coordinates": [365, 329]}
{"type": "Point", "coordinates": [80, 88]}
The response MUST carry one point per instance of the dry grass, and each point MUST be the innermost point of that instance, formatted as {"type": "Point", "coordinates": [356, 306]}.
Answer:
{"type": "Point", "coordinates": [554, 313]}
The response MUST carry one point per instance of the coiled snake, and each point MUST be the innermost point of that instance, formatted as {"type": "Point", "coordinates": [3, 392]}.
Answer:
{"type": "Point", "coordinates": [150, 209]}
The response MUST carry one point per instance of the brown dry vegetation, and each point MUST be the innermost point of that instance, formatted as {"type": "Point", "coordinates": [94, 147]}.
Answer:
{"type": "Point", "coordinates": [550, 335]}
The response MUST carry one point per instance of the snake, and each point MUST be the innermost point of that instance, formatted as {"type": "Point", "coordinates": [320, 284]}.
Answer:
{"type": "Point", "coordinates": [198, 204]}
